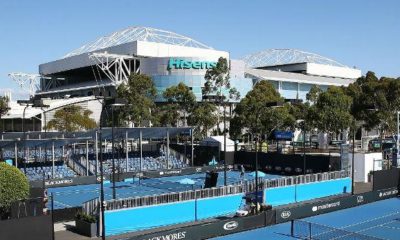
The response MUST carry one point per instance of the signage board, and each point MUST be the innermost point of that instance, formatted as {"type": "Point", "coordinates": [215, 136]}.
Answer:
{"type": "Point", "coordinates": [177, 63]}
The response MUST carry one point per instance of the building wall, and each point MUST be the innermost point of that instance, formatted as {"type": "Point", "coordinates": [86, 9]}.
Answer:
{"type": "Point", "coordinates": [294, 90]}
{"type": "Point", "coordinates": [164, 77]}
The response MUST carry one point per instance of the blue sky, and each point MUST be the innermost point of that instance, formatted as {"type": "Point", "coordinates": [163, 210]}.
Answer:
{"type": "Point", "coordinates": [361, 33]}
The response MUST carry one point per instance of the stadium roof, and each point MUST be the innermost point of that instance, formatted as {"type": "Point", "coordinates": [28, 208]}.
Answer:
{"type": "Point", "coordinates": [273, 57]}
{"type": "Point", "coordinates": [132, 34]}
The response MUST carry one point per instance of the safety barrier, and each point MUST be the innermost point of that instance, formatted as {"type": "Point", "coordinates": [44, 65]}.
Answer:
{"type": "Point", "coordinates": [76, 166]}
{"type": "Point", "coordinates": [172, 197]}
{"type": "Point", "coordinates": [244, 187]}
{"type": "Point", "coordinates": [91, 207]}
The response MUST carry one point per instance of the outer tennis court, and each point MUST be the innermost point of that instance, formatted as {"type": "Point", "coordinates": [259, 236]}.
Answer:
{"type": "Point", "coordinates": [378, 220]}
{"type": "Point", "coordinates": [73, 196]}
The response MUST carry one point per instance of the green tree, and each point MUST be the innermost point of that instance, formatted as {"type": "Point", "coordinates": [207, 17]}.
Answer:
{"type": "Point", "coordinates": [376, 102]}
{"type": "Point", "coordinates": [204, 118]}
{"type": "Point", "coordinates": [253, 114]}
{"type": "Point", "coordinates": [3, 105]}
{"type": "Point", "coordinates": [217, 87]}
{"type": "Point", "coordinates": [13, 186]}
{"type": "Point", "coordinates": [313, 94]}
{"type": "Point", "coordinates": [166, 116]}
{"type": "Point", "coordinates": [182, 99]}
{"type": "Point", "coordinates": [71, 118]}
{"type": "Point", "coordinates": [140, 93]}
{"type": "Point", "coordinates": [331, 111]}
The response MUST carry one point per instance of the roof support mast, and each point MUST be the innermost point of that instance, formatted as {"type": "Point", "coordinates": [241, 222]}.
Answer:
{"type": "Point", "coordinates": [115, 66]}
{"type": "Point", "coordinates": [28, 82]}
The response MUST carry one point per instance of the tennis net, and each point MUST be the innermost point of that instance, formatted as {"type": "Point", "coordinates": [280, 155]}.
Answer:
{"type": "Point", "coordinates": [308, 230]}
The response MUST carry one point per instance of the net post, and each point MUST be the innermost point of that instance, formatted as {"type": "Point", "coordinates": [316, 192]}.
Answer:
{"type": "Point", "coordinates": [309, 230]}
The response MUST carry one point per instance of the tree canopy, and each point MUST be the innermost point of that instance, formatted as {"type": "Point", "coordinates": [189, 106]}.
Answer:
{"type": "Point", "coordinates": [71, 118]}
{"type": "Point", "coordinates": [218, 82]}
{"type": "Point", "coordinates": [14, 186]}
{"type": "Point", "coordinates": [376, 102]}
{"type": "Point", "coordinates": [331, 111]}
{"type": "Point", "coordinates": [3, 105]}
{"type": "Point", "coordinates": [140, 93]}
{"type": "Point", "coordinates": [180, 100]}
{"type": "Point", "coordinates": [203, 118]}
{"type": "Point", "coordinates": [253, 113]}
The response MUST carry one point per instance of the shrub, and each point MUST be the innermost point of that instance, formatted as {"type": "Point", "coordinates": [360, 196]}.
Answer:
{"type": "Point", "coordinates": [14, 186]}
{"type": "Point", "coordinates": [85, 217]}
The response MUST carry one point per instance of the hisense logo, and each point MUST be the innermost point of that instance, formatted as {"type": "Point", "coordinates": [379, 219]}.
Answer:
{"type": "Point", "coordinates": [185, 64]}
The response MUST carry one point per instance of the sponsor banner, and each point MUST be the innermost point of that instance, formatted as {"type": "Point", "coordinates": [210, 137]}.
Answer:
{"type": "Point", "coordinates": [84, 180]}
{"type": "Point", "coordinates": [183, 171]}
{"type": "Point", "coordinates": [49, 183]}
{"type": "Point", "coordinates": [207, 230]}
{"type": "Point", "coordinates": [385, 179]}
{"type": "Point", "coordinates": [288, 213]}
{"type": "Point", "coordinates": [386, 193]}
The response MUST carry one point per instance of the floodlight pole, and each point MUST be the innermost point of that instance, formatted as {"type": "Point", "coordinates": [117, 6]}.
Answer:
{"type": "Point", "coordinates": [304, 147]}
{"type": "Point", "coordinates": [112, 153]}
{"type": "Point", "coordinates": [397, 139]}
{"type": "Point", "coordinates": [24, 137]}
{"type": "Point", "coordinates": [224, 146]}
{"type": "Point", "coordinates": [102, 203]}
{"type": "Point", "coordinates": [45, 136]}
{"type": "Point", "coordinates": [352, 162]}
{"type": "Point", "coordinates": [256, 174]}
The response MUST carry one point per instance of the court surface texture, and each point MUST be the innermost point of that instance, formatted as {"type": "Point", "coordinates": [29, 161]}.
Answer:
{"type": "Point", "coordinates": [380, 220]}
{"type": "Point", "coordinates": [74, 196]}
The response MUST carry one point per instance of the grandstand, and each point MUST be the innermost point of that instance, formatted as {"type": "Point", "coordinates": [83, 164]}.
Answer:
{"type": "Point", "coordinates": [78, 155]}
{"type": "Point", "coordinates": [46, 172]}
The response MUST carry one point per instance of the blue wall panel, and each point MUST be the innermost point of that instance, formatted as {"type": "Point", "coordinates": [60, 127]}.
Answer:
{"type": "Point", "coordinates": [303, 192]}
{"type": "Point", "coordinates": [323, 189]}
{"type": "Point", "coordinates": [134, 219]}
{"type": "Point", "coordinates": [280, 195]}
{"type": "Point", "coordinates": [212, 207]}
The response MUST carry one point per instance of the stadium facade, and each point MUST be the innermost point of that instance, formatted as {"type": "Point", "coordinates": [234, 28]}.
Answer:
{"type": "Point", "coordinates": [97, 68]}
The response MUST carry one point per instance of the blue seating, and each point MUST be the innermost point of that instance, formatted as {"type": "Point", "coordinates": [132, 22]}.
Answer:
{"type": "Point", "coordinates": [38, 173]}
{"type": "Point", "coordinates": [148, 164]}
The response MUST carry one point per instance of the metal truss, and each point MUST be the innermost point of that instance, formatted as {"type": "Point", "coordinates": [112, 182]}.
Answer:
{"type": "Point", "coordinates": [132, 34]}
{"type": "Point", "coordinates": [273, 57]}
{"type": "Point", "coordinates": [115, 66]}
{"type": "Point", "coordinates": [28, 82]}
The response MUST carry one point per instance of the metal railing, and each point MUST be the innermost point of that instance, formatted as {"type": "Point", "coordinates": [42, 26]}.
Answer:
{"type": "Point", "coordinates": [91, 207]}
{"type": "Point", "coordinates": [250, 186]}
{"type": "Point", "coordinates": [76, 166]}
{"type": "Point", "coordinates": [243, 187]}
{"type": "Point", "coordinates": [174, 197]}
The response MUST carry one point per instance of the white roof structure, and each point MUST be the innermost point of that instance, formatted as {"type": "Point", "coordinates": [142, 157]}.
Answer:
{"type": "Point", "coordinates": [132, 34]}
{"type": "Point", "coordinates": [219, 141]}
{"type": "Point", "coordinates": [297, 77]}
{"type": "Point", "coordinates": [17, 110]}
{"type": "Point", "coordinates": [273, 57]}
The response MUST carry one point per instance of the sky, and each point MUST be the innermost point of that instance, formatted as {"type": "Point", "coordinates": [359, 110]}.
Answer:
{"type": "Point", "coordinates": [358, 33]}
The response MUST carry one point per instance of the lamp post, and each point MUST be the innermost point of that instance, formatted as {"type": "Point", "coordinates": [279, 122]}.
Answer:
{"type": "Point", "coordinates": [224, 146]}
{"type": "Point", "coordinates": [397, 138]}
{"type": "Point", "coordinates": [118, 102]}
{"type": "Point", "coordinates": [39, 104]}
{"type": "Point", "coordinates": [27, 103]}
{"type": "Point", "coordinates": [352, 161]}
{"type": "Point", "coordinates": [267, 105]}
{"type": "Point", "coordinates": [102, 203]}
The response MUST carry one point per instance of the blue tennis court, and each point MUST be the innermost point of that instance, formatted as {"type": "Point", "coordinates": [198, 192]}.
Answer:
{"type": "Point", "coordinates": [379, 219]}
{"type": "Point", "coordinates": [65, 197]}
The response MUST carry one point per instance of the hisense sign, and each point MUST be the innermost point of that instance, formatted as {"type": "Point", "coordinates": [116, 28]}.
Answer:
{"type": "Point", "coordinates": [176, 63]}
